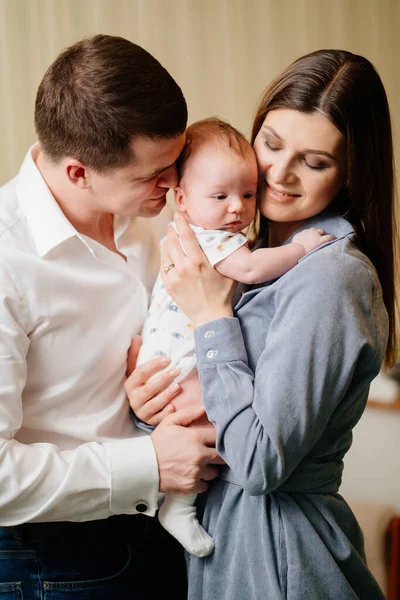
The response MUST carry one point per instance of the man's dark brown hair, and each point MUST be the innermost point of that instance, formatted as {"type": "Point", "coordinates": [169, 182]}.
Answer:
{"type": "Point", "coordinates": [99, 95]}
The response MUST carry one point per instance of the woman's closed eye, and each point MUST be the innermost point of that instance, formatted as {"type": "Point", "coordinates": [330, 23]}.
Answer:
{"type": "Point", "coordinates": [316, 166]}
{"type": "Point", "coordinates": [271, 145]}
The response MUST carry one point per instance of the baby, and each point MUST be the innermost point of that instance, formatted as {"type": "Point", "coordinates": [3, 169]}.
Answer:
{"type": "Point", "coordinates": [217, 194]}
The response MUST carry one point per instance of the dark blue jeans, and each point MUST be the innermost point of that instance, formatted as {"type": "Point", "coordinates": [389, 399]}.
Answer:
{"type": "Point", "coordinates": [123, 557]}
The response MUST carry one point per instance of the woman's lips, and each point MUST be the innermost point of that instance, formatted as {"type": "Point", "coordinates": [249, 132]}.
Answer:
{"type": "Point", "coordinates": [280, 196]}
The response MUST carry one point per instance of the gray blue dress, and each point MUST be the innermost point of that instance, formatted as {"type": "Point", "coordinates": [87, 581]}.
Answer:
{"type": "Point", "coordinates": [284, 384]}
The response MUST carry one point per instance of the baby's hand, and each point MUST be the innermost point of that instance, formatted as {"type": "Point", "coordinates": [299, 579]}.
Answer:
{"type": "Point", "coordinates": [312, 238]}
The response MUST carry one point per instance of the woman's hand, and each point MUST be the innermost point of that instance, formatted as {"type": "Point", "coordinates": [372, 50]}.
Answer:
{"type": "Point", "coordinates": [150, 400]}
{"type": "Point", "coordinates": [198, 289]}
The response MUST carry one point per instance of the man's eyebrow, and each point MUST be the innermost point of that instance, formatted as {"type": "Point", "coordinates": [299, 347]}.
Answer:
{"type": "Point", "coordinates": [307, 150]}
{"type": "Point", "coordinates": [156, 172]}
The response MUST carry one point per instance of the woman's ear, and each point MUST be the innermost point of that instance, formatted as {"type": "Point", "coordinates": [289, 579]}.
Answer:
{"type": "Point", "coordinates": [180, 199]}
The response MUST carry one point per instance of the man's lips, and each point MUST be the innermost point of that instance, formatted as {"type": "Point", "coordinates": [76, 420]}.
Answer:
{"type": "Point", "coordinates": [158, 198]}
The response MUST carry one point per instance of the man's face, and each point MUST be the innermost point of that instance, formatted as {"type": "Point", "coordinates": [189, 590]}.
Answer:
{"type": "Point", "coordinates": [138, 189]}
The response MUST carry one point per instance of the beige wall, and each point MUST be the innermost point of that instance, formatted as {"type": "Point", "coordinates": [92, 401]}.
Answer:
{"type": "Point", "coordinates": [222, 52]}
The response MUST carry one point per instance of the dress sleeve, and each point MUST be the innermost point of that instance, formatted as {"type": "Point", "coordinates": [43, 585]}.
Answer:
{"type": "Point", "coordinates": [40, 482]}
{"type": "Point", "coordinates": [321, 332]}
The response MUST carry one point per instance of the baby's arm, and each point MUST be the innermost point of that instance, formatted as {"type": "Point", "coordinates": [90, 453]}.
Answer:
{"type": "Point", "coordinates": [265, 264]}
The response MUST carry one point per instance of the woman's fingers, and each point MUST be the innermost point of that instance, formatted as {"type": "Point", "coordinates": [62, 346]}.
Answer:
{"type": "Point", "coordinates": [172, 253]}
{"type": "Point", "coordinates": [188, 239]}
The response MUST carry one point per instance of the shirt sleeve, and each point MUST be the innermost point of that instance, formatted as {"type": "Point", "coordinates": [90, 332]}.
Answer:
{"type": "Point", "coordinates": [39, 482]}
{"type": "Point", "coordinates": [322, 336]}
{"type": "Point", "coordinates": [218, 245]}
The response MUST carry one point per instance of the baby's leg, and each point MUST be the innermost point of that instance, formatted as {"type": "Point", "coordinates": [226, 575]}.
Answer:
{"type": "Point", "coordinates": [178, 513]}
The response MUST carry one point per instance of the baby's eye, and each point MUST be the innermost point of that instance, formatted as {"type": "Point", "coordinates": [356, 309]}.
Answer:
{"type": "Point", "coordinates": [248, 195]}
{"type": "Point", "coordinates": [220, 196]}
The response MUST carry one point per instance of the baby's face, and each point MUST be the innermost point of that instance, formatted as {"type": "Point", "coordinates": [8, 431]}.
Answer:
{"type": "Point", "coordinates": [219, 189]}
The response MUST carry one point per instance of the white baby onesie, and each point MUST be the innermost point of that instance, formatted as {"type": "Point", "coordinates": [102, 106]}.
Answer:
{"type": "Point", "coordinates": [167, 331]}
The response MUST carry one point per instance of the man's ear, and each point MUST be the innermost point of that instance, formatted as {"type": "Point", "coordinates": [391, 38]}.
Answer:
{"type": "Point", "coordinates": [180, 199]}
{"type": "Point", "coordinates": [77, 174]}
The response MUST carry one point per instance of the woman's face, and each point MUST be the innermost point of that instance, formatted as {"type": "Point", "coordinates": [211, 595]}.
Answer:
{"type": "Point", "coordinates": [302, 165]}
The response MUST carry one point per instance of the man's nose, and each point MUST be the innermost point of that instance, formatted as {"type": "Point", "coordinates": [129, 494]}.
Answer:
{"type": "Point", "coordinates": [169, 178]}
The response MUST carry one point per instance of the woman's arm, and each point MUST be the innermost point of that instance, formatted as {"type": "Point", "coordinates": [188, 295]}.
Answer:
{"type": "Point", "coordinates": [322, 330]}
{"type": "Point", "coordinates": [321, 333]}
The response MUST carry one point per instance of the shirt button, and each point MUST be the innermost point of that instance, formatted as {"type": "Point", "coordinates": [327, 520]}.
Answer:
{"type": "Point", "coordinates": [141, 506]}
{"type": "Point", "coordinates": [212, 353]}
{"type": "Point", "coordinates": [209, 334]}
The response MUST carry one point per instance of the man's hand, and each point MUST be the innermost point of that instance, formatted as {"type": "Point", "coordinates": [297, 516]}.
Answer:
{"type": "Point", "coordinates": [150, 397]}
{"type": "Point", "coordinates": [186, 455]}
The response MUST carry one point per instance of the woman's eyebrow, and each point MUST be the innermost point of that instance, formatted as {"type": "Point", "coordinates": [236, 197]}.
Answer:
{"type": "Point", "coordinates": [272, 131]}
{"type": "Point", "coordinates": [323, 152]}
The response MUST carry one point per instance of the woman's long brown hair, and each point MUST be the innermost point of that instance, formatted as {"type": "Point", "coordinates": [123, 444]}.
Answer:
{"type": "Point", "coordinates": [347, 89]}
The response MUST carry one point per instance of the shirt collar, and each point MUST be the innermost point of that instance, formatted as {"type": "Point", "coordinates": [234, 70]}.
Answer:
{"type": "Point", "coordinates": [48, 224]}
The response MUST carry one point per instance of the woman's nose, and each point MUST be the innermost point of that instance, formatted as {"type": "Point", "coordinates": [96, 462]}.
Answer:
{"type": "Point", "coordinates": [282, 172]}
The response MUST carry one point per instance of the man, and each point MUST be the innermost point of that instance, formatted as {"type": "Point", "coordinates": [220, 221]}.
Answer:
{"type": "Point", "coordinates": [79, 483]}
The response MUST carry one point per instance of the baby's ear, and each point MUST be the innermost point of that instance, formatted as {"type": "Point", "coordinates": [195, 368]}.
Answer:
{"type": "Point", "coordinates": [180, 199]}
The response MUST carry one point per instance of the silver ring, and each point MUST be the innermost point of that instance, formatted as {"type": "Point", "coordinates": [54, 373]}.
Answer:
{"type": "Point", "coordinates": [169, 267]}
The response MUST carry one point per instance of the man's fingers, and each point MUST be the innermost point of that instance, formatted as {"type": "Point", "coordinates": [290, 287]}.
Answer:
{"type": "Point", "coordinates": [133, 354]}
{"type": "Point", "coordinates": [202, 486]}
{"type": "Point", "coordinates": [145, 371]}
{"type": "Point", "coordinates": [157, 384]}
{"type": "Point", "coordinates": [157, 405]}
{"type": "Point", "coordinates": [157, 418]}
{"type": "Point", "coordinates": [209, 473]}
{"type": "Point", "coordinates": [186, 416]}
{"type": "Point", "coordinates": [211, 457]}
{"type": "Point", "coordinates": [207, 434]}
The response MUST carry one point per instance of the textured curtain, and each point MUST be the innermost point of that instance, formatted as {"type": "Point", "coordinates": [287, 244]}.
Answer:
{"type": "Point", "coordinates": [221, 52]}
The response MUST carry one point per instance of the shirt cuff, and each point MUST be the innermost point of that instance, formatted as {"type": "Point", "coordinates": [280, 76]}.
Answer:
{"type": "Point", "coordinates": [219, 341]}
{"type": "Point", "coordinates": [134, 476]}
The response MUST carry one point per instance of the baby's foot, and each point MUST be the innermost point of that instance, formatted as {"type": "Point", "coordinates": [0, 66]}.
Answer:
{"type": "Point", "coordinates": [178, 516]}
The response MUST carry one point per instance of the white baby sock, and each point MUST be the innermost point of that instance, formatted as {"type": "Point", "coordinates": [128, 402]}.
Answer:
{"type": "Point", "coordinates": [178, 516]}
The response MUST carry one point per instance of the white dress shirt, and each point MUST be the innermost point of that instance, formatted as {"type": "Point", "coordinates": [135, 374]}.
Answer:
{"type": "Point", "coordinates": [69, 308]}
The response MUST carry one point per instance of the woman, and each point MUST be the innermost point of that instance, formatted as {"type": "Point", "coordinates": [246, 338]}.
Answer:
{"type": "Point", "coordinates": [286, 380]}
